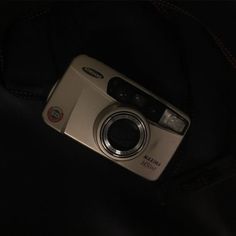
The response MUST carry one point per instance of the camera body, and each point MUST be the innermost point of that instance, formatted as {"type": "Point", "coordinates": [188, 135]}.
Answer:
{"type": "Point", "coordinates": [115, 117]}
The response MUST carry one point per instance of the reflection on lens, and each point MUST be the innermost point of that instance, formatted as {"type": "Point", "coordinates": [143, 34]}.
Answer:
{"type": "Point", "coordinates": [123, 134]}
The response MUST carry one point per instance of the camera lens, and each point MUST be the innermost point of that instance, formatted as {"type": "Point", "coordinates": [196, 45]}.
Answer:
{"type": "Point", "coordinates": [123, 134]}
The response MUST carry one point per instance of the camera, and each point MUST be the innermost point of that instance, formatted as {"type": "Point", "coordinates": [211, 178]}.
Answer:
{"type": "Point", "coordinates": [115, 117]}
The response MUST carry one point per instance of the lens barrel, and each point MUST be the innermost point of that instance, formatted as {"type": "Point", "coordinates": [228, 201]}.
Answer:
{"type": "Point", "coordinates": [123, 134]}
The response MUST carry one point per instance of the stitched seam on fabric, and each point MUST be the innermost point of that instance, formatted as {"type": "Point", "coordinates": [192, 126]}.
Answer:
{"type": "Point", "coordinates": [24, 94]}
{"type": "Point", "coordinates": [226, 52]}
{"type": "Point", "coordinates": [1, 61]}
{"type": "Point", "coordinates": [35, 15]}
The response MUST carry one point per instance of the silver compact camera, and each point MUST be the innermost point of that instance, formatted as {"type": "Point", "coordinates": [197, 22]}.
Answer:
{"type": "Point", "coordinates": [115, 117]}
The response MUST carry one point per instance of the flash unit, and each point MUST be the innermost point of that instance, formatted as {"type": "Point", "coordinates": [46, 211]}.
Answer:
{"type": "Point", "coordinates": [172, 121]}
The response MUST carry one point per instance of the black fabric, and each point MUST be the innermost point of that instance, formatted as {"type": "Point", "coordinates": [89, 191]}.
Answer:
{"type": "Point", "coordinates": [124, 43]}
{"type": "Point", "coordinates": [54, 184]}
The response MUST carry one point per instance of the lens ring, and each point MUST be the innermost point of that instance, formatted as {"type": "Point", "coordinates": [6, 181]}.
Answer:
{"type": "Point", "coordinates": [135, 120]}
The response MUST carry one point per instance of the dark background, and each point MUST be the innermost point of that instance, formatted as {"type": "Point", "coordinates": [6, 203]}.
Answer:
{"type": "Point", "coordinates": [45, 190]}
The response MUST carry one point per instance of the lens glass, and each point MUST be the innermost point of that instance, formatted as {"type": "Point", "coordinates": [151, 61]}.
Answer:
{"type": "Point", "coordinates": [123, 134]}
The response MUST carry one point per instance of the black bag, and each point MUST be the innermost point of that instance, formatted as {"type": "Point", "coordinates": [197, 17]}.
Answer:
{"type": "Point", "coordinates": [53, 180]}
